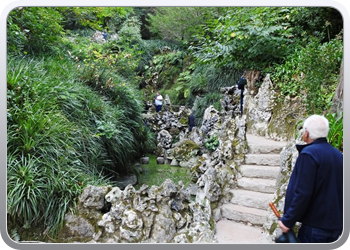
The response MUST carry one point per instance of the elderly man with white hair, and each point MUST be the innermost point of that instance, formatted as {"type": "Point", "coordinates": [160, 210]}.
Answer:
{"type": "Point", "coordinates": [315, 191]}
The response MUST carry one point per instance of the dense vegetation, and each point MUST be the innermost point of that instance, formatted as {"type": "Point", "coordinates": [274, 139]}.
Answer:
{"type": "Point", "coordinates": [74, 107]}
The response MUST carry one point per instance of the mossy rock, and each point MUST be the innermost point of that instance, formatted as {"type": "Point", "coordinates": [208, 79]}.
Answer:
{"type": "Point", "coordinates": [186, 150]}
{"type": "Point", "coordinates": [184, 120]}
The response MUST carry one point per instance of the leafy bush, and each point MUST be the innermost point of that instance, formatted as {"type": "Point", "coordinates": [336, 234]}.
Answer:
{"type": "Point", "coordinates": [167, 66]}
{"type": "Point", "coordinates": [34, 30]}
{"type": "Point", "coordinates": [212, 143]}
{"type": "Point", "coordinates": [177, 23]}
{"type": "Point", "coordinates": [93, 17]}
{"type": "Point", "coordinates": [245, 37]}
{"type": "Point", "coordinates": [312, 72]}
{"type": "Point", "coordinates": [151, 48]}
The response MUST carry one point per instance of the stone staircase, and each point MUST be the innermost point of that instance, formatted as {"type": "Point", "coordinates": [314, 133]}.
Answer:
{"type": "Point", "coordinates": [243, 218]}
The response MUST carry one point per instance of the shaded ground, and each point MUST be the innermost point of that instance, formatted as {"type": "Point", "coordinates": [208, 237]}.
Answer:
{"type": "Point", "coordinates": [156, 174]}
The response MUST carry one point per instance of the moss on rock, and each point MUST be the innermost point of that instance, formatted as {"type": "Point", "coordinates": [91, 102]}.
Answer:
{"type": "Point", "coordinates": [186, 150]}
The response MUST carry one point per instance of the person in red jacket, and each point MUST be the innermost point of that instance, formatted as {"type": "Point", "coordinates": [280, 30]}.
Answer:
{"type": "Point", "coordinates": [314, 194]}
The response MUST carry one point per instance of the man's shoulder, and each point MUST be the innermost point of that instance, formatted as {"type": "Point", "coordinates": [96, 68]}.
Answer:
{"type": "Point", "coordinates": [323, 147]}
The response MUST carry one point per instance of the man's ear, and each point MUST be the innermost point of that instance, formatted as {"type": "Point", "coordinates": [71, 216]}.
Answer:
{"type": "Point", "coordinates": [307, 137]}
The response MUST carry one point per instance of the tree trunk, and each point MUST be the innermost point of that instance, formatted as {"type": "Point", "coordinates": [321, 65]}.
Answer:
{"type": "Point", "coordinates": [337, 106]}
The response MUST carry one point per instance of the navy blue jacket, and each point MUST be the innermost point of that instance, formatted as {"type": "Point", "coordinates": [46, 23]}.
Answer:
{"type": "Point", "coordinates": [191, 120]}
{"type": "Point", "coordinates": [315, 191]}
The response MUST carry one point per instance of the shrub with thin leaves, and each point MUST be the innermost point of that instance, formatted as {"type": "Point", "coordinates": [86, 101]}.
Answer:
{"type": "Point", "coordinates": [335, 134]}
{"type": "Point", "coordinates": [27, 184]}
{"type": "Point", "coordinates": [62, 135]}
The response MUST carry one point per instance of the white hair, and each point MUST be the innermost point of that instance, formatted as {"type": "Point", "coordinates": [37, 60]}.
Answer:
{"type": "Point", "coordinates": [317, 126]}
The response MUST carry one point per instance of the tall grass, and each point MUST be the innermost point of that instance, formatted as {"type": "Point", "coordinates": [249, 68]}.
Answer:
{"type": "Point", "coordinates": [335, 135]}
{"type": "Point", "coordinates": [205, 84]}
{"type": "Point", "coordinates": [61, 136]}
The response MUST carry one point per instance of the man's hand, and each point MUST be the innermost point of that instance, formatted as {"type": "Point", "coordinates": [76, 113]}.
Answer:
{"type": "Point", "coordinates": [283, 227]}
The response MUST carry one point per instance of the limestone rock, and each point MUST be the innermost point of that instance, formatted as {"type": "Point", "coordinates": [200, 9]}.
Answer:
{"type": "Point", "coordinates": [144, 160]}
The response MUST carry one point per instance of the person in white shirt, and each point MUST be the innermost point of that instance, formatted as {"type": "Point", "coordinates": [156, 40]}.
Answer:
{"type": "Point", "coordinates": [158, 99]}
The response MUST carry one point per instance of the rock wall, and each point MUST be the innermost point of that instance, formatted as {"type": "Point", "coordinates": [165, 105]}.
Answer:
{"type": "Point", "coordinates": [162, 214]}
{"type": "Point", "coordinates": [270, 116]}
{"type": "Point", "coordinates": [170, 213]}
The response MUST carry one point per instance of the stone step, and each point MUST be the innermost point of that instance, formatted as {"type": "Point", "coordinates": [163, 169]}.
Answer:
{"type": "Point", "coordinates": [264, 149]}
{"type": "Point", "coordinates": [262, 159]}
{"type": "Point", "coordinates": [261, 145]}
{"type": "Point", "coordinates": [259, 171]}
{"type": "Point", "coordinates": [251, 199]}
{"type": "Point", "coordinates": [256, 184]}
{"type": "Point", "coordinates": [231, 232]}
{"type": "Point", "coordinates": [243, 214]}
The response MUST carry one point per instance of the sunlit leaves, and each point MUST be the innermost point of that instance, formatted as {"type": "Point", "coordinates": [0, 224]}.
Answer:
{"type": "Point", "coordinates": [178, 23]}
{"type": "Point", "coordinates": [93, 17]}
{"type": "Point", "coordinates": [34, 29]}
{"type": "Point", "coordinates": [245, 37]}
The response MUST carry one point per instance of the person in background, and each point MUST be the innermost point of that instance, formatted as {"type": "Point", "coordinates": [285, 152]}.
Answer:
{"type": "Point", "coordinates": [104, 33]}
{"type": "Point", "coordinates": [158, 101]}
{"type": "Point", "coordinates": [314, 195]}
{"type": "Point", "coordinates": [191, 121]}
{"type": "Point", "coordinates": [241, 83]}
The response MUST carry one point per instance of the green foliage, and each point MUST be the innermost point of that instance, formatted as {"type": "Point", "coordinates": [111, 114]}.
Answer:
{"type": "Point", "coordinates": [177, 23]}
{"type": "Point", "coordinates": [182, 86]}
{"type": "Point", "coordinates": [33, 30]}
{"type": "Point", "coordinates": [171, 58]}
{"type": "Point", "coordinates": [130, 31]}
{"type": "Point", "coordinates": [323, 22]}
{"type": "Point", "coordinates": [150, 48]}
{"type": "Point", "coordinates": [312, 71]}
{"type": "Point", "coordinates": [99, 63]}
{"type": "Point", "coordinates": [245, 37]}
{"type": "Point", "coordinates": [122, 129]}
{"type": "Point", "coordinates": [168, 66]}
{"type": "Point", "coordinates": [335, 135]}
{"type": "Point", "coordinates": [26, 189]}
{"type": "Point", "coordinates": [107, 129]}
{"type": "Point", "coordinates": [61, 130]}
{"type": "Point", "coordinates": [257, 37]}
{"type": "Point", "coordinates": [212, 143]}
{"type": "Point", "coordinates": [202, 103]}
{"type": "Point", "coordinates": [204, 87]}
{"type": "Point", "coordinates": [92, 17]}
{"type": "Point", "coordinates": [16, 38]}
